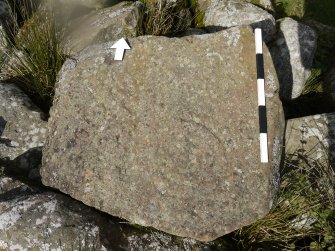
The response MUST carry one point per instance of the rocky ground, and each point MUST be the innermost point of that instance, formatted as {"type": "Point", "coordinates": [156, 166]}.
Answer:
{"type": "Point", "coordinates": [165, 140]}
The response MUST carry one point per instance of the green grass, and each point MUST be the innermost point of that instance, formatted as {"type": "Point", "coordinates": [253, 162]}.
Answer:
{"type": "Point", "coordinates": [314, 83]}
{"type": "Point", "coordinates": [322, 11]}
{"type": "Point", "coordinates": [289, 8]}
{"type": "Point", "coordinates": [36, 55]}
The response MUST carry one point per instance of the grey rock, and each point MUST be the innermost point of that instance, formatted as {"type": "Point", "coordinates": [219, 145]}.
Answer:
{"type": "Point", "coordinates": [41, 220]}
{"type": "Point", "coordinates": [67, 12]}
{"type": "Point", "coordinates": [95, 4]}
{"type": "Point", "coordinates": [22, 131]}
{"type": "Point", "coordinates": [312, 137]}
{"type": "Point", "coordinates": [8, 184]}
{"type": "Point", "coordinates": [293, 54]}
{"type": "Point", "coordinates": [153, 139]}
{"type": "Point", "coordinates": [89, 4]}
{"type": "Point", "coordinates": [265, 4]}
{"type": "Point", "coordinates": [229, 13]}
{"type": "Point", "coordinates": [121, 20]}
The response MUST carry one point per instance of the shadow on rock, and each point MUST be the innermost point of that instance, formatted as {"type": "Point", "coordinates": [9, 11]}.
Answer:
{"type": "Point", "coordinates": [3, 123]}
{"type": "Point", "coordinates": [26, 166]}
{"type": "Point", "coordinates": [281, 58]}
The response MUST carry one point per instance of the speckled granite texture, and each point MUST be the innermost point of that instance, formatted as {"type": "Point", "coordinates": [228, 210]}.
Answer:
{"type": "Point", "coordinates": [168, 137]}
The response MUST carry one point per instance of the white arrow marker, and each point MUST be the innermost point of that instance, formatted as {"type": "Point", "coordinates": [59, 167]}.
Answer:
{"type": "Point", "coordinates": [120, 46]}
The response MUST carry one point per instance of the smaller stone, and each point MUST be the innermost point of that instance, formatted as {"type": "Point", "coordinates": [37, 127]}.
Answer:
{"type": "Point", "coordinates": [7, 184]}
{"type": "Point", "coordinates": [293, 54]}
{"type": "Point", "coordinates": [22, 131]}
{"type": "Point", "coordinates": [94, 4]}
{"type": "Point", "coordinates": [312, 137]}
{"type": "Point", "coordinates": [89, 4]}
{"type": "Point", "coordinates": [108, 24]}
{"type": "Point", "coordinates": [42, 220]}
{"type": "Point", "coordinates": [265, 4]}
{"type": "Point", "coordinates": [229, 13]}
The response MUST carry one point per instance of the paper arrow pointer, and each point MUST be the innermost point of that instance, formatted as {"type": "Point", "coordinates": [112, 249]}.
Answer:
{"type": "Point", "coordinates": [120, 46]}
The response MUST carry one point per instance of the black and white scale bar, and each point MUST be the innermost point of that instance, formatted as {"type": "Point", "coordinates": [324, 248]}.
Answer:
{"type": "Point", "coordinates": [263, 131]}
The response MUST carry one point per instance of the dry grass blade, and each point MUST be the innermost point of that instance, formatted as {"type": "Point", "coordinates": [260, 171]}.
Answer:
{"type": "Point", "coordinates": [165, 17]}
{"type": "Point", "coordinates": [36, 54]}
{"type": "Point", "coordinates": [303, 217]}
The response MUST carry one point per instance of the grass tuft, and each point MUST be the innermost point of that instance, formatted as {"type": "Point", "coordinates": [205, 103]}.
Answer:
{"type": "Point", "coordinates": [314, 83]}
{"type": "Point", "coordinates": [289, 8]}
{"type": "Point", "coordinates": [36, 54]}
{"type": "Point", "coordinates": [303, 217]}
{"type": "Point", "coordinates": [166, 17]}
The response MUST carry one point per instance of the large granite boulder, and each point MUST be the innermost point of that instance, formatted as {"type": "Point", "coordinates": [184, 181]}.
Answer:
{"type": "Point", "coordinates": [34, 219]}
{"type": "Point", "coordinates": [168, 137]}
{"type": "Point", "coordinates": [293, 54]}
{"type": "Point", "coordinates": [22, 131]}
{"type": "Point", "coordinates": [121, 20]}
{"type": "Point", "coordinates": [221, 14]}
{"type": "Point", "coordinates": [312, 137]}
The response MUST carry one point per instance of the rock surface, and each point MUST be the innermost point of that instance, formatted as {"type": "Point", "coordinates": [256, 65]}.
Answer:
{"type": "Point", "coordinates": [265, 4]}
{"type": "Point", "coordinates": [22, 131]}
{"type": "Point", "coordinates": [92, 4]}
{"type": "Point", "coordinates": [312, 137]}
{"type": "Point", "coordinates": [32, 219]}
{"type": "Point", "coordinates": [121, 20]}
{"type": "Point", "coordinates": [156, 144]}
{"type": "Point", "coordinates": [229, 13]}
{"type": "Point", "coordinates": [293, 54]}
